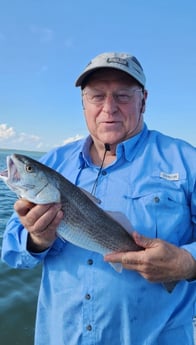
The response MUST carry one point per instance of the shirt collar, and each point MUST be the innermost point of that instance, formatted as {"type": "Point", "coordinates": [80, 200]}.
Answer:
{"type": "Point", "coordinates": [85, 153]}
{"type": "Point", "coordinates": [127, 148]}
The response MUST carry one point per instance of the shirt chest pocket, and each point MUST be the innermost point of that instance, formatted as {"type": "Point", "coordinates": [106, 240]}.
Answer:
{"type": "Point", "coordinates": [161, 212]}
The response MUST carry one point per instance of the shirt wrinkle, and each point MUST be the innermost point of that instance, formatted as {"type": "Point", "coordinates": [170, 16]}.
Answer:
{"type": "Point", "coordinates": [82, 299]}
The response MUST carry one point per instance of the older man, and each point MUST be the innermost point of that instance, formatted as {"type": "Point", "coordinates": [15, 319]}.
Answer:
{"type": "Point", "coordinates": [149, 177]}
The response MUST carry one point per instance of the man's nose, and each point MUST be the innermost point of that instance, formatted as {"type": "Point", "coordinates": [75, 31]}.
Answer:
{"type": "Point", "coordinates": [109, 105]}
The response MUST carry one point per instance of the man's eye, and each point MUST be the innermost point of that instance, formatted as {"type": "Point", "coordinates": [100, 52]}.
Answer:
{"type": "Point", "coordinates": [123, 97]}
{"type": "Point", "coordinates": [98, 97]}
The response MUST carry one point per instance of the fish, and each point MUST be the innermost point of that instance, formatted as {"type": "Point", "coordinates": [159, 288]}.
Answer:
{"type": "Point", "coordinates": [85, 223]}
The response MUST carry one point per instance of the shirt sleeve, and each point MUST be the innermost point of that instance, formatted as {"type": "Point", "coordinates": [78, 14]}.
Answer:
{"type": "Point", "coordinates": [191, 247]}
{"type": "Point", "coordinates": [14, 246]}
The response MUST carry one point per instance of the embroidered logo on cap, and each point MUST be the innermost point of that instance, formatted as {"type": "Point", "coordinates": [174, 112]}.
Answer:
{"type": "Point", "coordinates": [118, 60]}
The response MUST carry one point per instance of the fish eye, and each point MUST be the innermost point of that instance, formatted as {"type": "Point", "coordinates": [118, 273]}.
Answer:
{"type": "Point", "coordinates": [29, 168]}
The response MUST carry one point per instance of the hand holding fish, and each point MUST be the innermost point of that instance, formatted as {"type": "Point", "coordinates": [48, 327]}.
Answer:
{"type": "Point", "coordinates": [159, 262]}
{"type": "Point", "coordinates": [40, 221]}
{"type": "Point", "coordinates": [83, 223]}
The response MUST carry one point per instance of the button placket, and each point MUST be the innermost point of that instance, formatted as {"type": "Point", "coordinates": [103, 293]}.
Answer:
{"type": "Point", "coordinates": [88, 315]}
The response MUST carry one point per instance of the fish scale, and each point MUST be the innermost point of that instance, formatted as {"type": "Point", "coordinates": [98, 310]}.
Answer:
{"type": "Point", "coordinates": [84, 224]}
{"type": "Point", "coordinates": [94, 224]}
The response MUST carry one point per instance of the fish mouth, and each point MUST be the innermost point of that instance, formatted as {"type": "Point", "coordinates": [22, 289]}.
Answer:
{"type": "Point", "coordinates": [11, 174]}
{"type": "Point", "coordinates": [4, 174]}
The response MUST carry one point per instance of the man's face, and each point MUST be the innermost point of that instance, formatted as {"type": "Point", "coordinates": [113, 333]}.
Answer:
{"type": "Point", "coordinates": [113, 106]}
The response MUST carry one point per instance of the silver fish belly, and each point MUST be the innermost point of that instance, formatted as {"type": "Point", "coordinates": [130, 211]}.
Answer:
{"type": "Point", "coordinates": [84, 224]}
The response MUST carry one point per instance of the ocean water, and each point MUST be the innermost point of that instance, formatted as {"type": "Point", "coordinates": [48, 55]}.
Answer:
{"type": "Point", "coordinates": [18, 288]}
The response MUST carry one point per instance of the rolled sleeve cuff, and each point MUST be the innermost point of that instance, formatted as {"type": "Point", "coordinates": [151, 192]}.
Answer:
{"type": "Point", "coordinates": [191, 248]}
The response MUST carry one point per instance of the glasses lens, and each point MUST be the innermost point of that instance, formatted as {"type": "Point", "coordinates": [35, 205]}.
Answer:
{"type": "Point", "coordinates": [95, 97]}
{"type": "Point", "coordinates": [121, 96]}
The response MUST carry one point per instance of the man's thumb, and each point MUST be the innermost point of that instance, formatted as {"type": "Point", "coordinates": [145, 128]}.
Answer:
{"type": "Point", "coordinates": [142, 241]}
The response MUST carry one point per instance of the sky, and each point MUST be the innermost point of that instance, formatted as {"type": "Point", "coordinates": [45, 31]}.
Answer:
{"type": "Point", "coordinates": [46, 44]}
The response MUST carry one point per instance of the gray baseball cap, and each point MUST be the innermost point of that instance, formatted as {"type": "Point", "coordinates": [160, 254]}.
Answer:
{"type": "Point", "coordinates": [120, 61]}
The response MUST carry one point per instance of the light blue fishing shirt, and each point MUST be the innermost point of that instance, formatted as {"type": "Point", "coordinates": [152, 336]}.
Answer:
{"type": "Point", "coordinates": [82, 299]}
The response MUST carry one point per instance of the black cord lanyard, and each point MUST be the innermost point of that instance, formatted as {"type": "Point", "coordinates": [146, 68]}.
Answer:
{"type": "Point", "coordinates": [107, 148]}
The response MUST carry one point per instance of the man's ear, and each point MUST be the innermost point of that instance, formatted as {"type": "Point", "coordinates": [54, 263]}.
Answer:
{"type": "Point", "coordinates": [143, 106]}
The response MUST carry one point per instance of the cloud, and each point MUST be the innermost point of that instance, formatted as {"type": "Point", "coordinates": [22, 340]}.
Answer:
{"type": "Point", "coordinates": [71, 139]}
{"type": "Point", "coordinates": [24, 137]}
{"type": "Point", "coordinates": [6, 132]}
{"type": "Point", "coordinates": [9, 138]}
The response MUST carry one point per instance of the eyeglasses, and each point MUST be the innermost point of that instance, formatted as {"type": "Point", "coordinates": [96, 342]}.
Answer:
{"type": "Point", "coordinates": [98, 97]}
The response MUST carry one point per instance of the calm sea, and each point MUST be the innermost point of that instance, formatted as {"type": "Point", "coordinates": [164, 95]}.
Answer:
{"type": "Point", "coordinates": [18, 288]}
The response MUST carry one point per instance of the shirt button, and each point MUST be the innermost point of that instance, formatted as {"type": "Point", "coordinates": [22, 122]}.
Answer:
{"type": "Point", "coordinates": [89, 328]}
{"type": "Point", "coordinates": [88, 296]}
{"type": "Point", "coordinates": [104, 172]}
{"type": "Point", "coordinates": [156, 199]}
{"type": "Point", "coordinates": [90, 262]}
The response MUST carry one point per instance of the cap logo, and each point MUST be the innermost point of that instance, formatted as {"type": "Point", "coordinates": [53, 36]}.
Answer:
{"type": "Point", "coordinates": [118, 60]}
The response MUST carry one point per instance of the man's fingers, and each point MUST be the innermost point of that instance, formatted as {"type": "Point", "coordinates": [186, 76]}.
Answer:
{"type": "Point", "coordinates": [143, 241]}
{"type": "Point", "coordinates": [126, 258]}
{"type": "Point", "coordinates": [23, 206]}
{"type": "Point", "coordinates": [43, 215]}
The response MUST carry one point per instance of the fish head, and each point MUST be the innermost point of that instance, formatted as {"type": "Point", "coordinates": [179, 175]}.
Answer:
{"type": "Point", "coordinates": [30, 179]}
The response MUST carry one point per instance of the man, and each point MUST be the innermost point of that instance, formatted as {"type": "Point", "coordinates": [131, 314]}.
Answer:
{"type": "Point", "coordinates": [149, 177]}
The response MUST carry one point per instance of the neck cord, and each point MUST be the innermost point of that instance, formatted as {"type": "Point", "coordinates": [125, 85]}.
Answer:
{"type": "Point", "coordinates": [107, 148]}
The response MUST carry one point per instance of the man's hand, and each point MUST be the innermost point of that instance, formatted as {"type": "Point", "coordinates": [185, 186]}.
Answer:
{"type": "Point", "coordinates": [160, 261]}
{"type": "Point", "coordinates": [40, 221]}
